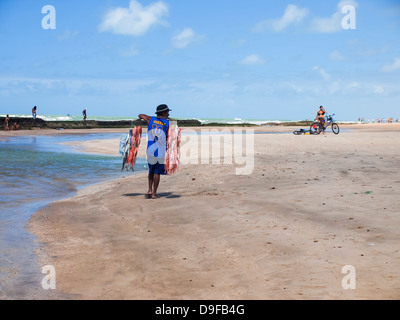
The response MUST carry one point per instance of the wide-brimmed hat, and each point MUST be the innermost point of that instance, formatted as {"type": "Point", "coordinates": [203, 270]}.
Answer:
{"type": "Point", "coordinates": [162, 108]}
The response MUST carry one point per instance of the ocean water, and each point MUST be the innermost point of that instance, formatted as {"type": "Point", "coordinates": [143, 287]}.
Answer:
{"type": "Point", "coordinates": [119, 118]}
{"type": "Point", "coordinates": [231, 121]}
{"type": "Point", "coordinates": [37, 170]}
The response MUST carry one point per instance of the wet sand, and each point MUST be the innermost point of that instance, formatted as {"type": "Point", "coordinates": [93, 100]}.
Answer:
{"type": "Point", "coordinates": [311, 206]}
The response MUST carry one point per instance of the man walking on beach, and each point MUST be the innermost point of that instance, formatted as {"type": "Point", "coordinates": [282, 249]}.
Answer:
{"type": "Point", "coordinates": [157, 133]}
{"type": "Point", "coordinates": [84, 114]}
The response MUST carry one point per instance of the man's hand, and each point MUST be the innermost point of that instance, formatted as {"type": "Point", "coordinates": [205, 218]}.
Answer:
{"type": "Point", "coordinates": [145, 117]}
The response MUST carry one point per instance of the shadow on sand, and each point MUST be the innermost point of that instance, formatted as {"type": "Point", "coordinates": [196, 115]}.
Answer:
{"type": "Point", "coordinates": [168, 195]}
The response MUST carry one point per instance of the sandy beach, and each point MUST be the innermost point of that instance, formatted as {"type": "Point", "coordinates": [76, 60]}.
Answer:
{"type": "Point", "coordinates": [310, 206]}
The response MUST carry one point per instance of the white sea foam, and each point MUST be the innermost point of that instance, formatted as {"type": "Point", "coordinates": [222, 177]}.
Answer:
{"type": "Point", "coordinates": [229, 121]}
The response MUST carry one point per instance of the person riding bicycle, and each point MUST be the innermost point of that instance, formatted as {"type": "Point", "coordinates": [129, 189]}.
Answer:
{"type": "Point", "coordinates": [321, 118]}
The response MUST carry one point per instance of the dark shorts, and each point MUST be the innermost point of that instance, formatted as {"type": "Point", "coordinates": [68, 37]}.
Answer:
{"type": "Point", "coordinates": [156, 169]}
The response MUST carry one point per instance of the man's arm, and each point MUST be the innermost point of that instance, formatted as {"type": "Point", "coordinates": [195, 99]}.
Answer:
{"type": "Point", "coordinates": [144, 117]}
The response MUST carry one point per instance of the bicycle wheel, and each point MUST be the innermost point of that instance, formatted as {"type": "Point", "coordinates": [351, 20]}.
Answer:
{"type": "Point", "coordinates": [335, 128]}
{"type": "Point", "coordinates": [314, 128]}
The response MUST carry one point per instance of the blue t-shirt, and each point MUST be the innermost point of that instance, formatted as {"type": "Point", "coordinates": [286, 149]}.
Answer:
{"type": "Point", "coordinates": [157, 133]}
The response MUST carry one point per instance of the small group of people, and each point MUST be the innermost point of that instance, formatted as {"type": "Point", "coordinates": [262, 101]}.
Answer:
{"type": "Point", "coordinates": [15, 125]}
{"type": "Point", "coordinates": [389, 120]}
{"type": "Point", "coordinates": [379, 120]}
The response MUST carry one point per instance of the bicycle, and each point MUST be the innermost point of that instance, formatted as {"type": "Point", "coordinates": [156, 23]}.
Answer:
{"type": "Point", "coordinates": [316, 127]}
{"type": "Point", "coordinates": [301, 131]}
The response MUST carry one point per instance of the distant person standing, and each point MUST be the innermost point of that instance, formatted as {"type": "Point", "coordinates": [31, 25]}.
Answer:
{"type": "Point", "coordinates": [84, 114]}
{"type": "Point", "coordinates": [321, 118]}
{"type": "Point", "coordinates": [6, 127]}
{"type": "Point", "coordinates": [34, 112]}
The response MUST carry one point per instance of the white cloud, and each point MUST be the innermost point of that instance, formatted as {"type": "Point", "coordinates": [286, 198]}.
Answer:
{"type": "Point", "coordinates": [378, 89]}
{"type": "Point", "coordinates": [135, 20]}
{"type": "Point", "coordinates": [337, 56]}
{"type": "Point", "coordinates": [253, 59]}
{"type": "Point", "coordinates": [297, 88]}
{"type": "Point", "coordinates": [334, 87]}
{"type": "Point", "coordinates": [238, 43]}
{"type": "Point", "coordinates": [353, 85]}
{"type": "Point", "coordinates": [183, 39]}
{"type": "Point", "coordinates": [68, 34]}
{"type": "Point", "coordinates": [326, 76]}
{"type": "Point", "coordinates": [332, 23]}
{"type": "Point", "coordinates": [292, 15]}
{"type": "Point", "coordinates": [131, 52]}
{"type": "Point", "coordinates": [393, 66]}
{"type": "Point", "coordinates": [90, 87]}
{"type": "Point", "coordinates": [327, 25]}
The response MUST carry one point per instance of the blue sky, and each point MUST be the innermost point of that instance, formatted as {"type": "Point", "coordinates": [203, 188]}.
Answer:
{"type": "Point", "coordinates": [253, 59]}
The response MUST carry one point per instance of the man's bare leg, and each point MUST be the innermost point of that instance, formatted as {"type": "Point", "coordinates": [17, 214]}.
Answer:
{"type": "Point", "coordinates": [151, 181]}
{"type": "Point", "coordinates": [155, 185]}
